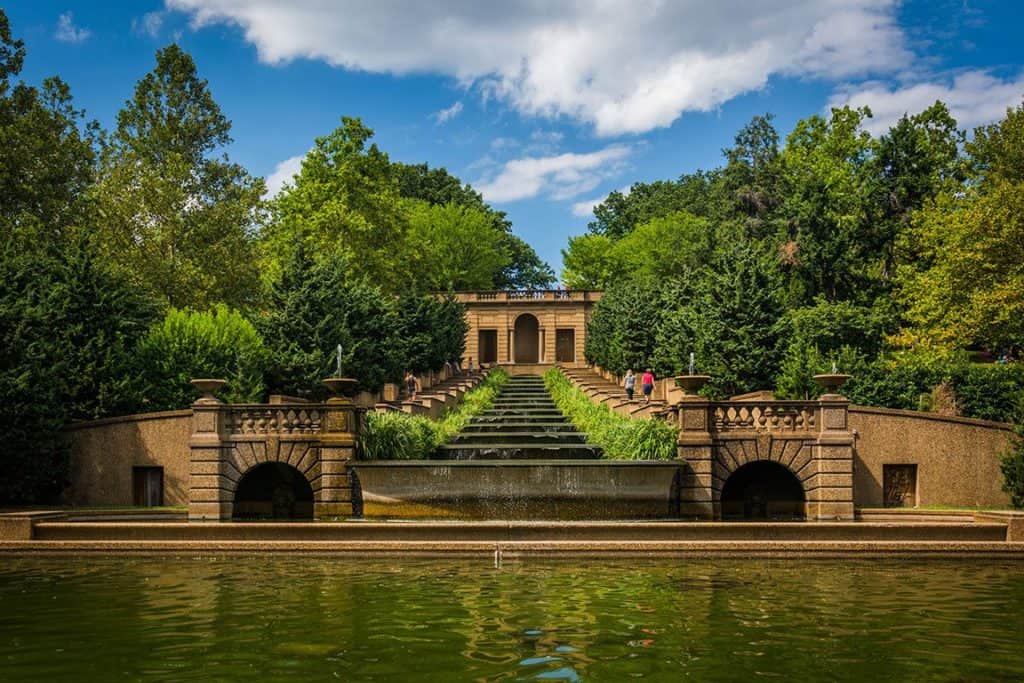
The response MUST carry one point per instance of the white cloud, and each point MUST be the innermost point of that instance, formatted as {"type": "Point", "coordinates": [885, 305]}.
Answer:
{"type": "Point", "coordinates": [560, 177]}
{"type": "Point", "coordinates": [67, 32]}
{"type": "Point", "coordinates": [503, 143]}
{"type": "Point", "coordinates": [447, 114]}
{"type": "Point", "coordinates": [623, 66]}
{"type": "Point", "coordinates": [973, 97]}
{"type": "Point", "coordinates": [148, 24]}
{"type": "Point", "coordinates": [586, 208]}
{"type": "Point", "coordinates": [283, 174]}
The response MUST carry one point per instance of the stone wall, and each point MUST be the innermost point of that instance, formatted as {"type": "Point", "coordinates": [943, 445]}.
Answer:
{"type": "Point", "coordinates": [104, 452]}
{"type": "Point", "coordinates": [957, 459]}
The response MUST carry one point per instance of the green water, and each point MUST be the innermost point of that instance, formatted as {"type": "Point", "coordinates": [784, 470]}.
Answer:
{"type": "Point", "coordinates": [315, 619]}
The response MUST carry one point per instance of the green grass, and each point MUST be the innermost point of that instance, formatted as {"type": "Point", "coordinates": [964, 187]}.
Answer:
{"type": "Point", "coordinates": [400, 436]}
{"type": "Point", "coordinates": [620, 437]}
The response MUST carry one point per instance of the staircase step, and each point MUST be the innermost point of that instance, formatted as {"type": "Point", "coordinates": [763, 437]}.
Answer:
{"type": "Point", "coordinates": [519, 451]}
{"type": "Point", "coordinates": [483, 438]}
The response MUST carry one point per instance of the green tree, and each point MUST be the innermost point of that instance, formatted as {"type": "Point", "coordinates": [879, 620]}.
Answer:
{"type": "Point", "coordinates": [523, 269]}
{"type": "Point", "coordinates": [968, 287]}
{"type": "Point", "coordinates": [590, 262]}
{"type": "Point", "coordinates": [68, 330]}
{"type": "Point", "coordinates": [432, 331]}
{"type": "Point", "coordinates": [68, 322]}
{"type": "Point", "coordinates": [729, 318]}
{"type": "Point", "coordinates": [187, 344]}
{"type": "Point", "coordinates": [344, 202]}
{"type": "Point", "coordinates": [46, 156]}
{"type": "Point", "coordinates": [620, 332]}
{"type": "Point", "coordinates": [665, 246]}
{"type": "Point", "coordinates": [824, 178]}
{"type": "Point", "coordinates": [910, 164]}
{"type": "Point", "coordinates": [621, 212]}
{"type": "Point", "coordinates": [176, 212]}
{"type": "Point", "coordinates": [452, 247]}
{"type": "Point", "coordinates": [314, 307]}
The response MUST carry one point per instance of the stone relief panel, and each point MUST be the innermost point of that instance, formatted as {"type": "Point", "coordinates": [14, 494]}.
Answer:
{"type": "Point", "coordinates": [899, 485]}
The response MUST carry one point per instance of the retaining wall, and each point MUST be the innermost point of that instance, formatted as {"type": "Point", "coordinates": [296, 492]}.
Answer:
{"type": "Point", "coordinates": [957, 458]}
{"type": "Point", "coordinates": [103, 453]}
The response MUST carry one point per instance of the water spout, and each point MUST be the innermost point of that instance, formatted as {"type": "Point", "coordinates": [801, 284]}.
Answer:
{"type": "Point", "coordinates": [693, 366]}
{"type": "Point", "coordinates": [337, 369]}
{"type": "Point", "coordinates": [835, 370]}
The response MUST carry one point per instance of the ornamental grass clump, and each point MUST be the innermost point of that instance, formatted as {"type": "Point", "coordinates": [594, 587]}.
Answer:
{"type": "Point", "coordinates": [620, 437]}
{"type": "Point", "coordinates": [400, 436]}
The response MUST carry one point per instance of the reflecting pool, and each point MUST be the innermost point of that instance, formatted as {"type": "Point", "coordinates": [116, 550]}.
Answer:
{"type": "Point", "coordinates": [322, 618]}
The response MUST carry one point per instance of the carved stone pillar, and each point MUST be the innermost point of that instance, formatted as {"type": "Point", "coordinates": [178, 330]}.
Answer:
{"type": "Point", "coordinates": [696, 447]}
{"type": "Point", "coordinates": [208, 485]}
{"type": "Point", "coordinates": [830, 487]}
{"type": "Point", "coordinates": [339, 431]}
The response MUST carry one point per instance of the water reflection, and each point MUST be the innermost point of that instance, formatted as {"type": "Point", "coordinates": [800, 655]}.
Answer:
{"type": "Point", "coordinates": [314, 618]}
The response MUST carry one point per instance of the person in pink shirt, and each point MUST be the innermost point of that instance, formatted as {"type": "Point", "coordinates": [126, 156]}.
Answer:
{"type": "Point", "coordinates": [647, 381]}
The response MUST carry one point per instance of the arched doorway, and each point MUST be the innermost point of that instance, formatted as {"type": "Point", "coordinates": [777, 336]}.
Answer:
{"type": "Point", "coordinates": [527, 334]}
{"type": "Point", "coordinates": [273, 490]}
{"type": "Point", "coordinates": [763, 490]}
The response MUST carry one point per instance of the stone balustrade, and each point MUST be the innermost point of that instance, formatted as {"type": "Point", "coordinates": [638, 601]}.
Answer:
{"type": "Point", "coordinates": [772, 416]}
{"type": "Point", "coordinates": [530, 295]}
{"type": "Point", "coordinates": [810, 439]}
{"type": "Point", "coordinates": [317, 440]}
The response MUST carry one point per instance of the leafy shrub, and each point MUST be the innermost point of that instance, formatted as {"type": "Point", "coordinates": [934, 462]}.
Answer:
{"type": "Point", "coordinates": [69, 325]}
{"type": "Point", "coordinates": [1012, 466]}
{"type": "Point", "coordinates": [990, 392]}
{"type": "Point", "coordinates": [620, 437]}
{"type": "Point", "coordinates": [188, 344]}
{"type": "Point", "coordinates": [400, 436]}
{"type": "Point", "coordinates": [397, 436]}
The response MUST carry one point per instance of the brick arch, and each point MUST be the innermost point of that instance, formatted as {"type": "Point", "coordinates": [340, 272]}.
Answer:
{"type": "Point", "coordinates": [795, 455]}
{"type": "Point", "coordinates": [244, 456]}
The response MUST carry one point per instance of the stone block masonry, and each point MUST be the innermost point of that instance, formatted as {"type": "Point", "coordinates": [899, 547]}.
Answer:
{"type": "Point", "coordinates": [316, 441]}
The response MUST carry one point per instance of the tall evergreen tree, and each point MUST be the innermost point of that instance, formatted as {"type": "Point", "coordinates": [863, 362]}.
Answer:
{"type": "Point", "coordinates": [314, 307]}
{"type": "Point", "coordinates": [177, 213]}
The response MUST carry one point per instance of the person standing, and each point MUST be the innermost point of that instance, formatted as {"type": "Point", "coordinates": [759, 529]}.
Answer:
{"type": "Point", "coordinates": [648, 384]}
{"type": "Point", "coordinates": [411, 385]}
{"type": "Point", "coordinates": [630, 383]}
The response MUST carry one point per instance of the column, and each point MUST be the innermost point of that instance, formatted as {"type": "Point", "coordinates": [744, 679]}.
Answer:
{"type": "Point", "coordinates": [511, 346]}
{"type": "Point", "coordinates": [207, 498]}
{"type": "Point", "coordinates": [696, 447]}
{"type": "Point", "coordinates": [540, 344]}
{"type": "Point", "coordinates": [339, 430]}
{"type": "Point", "coordinates": [830, 486]}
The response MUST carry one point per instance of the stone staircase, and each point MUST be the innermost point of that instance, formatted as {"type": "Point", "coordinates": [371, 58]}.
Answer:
{"type": "Point", "coordinates": [600, 390]}
{"type": "Point", "coordinates": [522, 424]}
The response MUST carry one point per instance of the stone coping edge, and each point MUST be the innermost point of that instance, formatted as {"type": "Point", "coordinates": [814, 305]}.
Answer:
{"type": "Point", "coordinates": [540, 550]}
{"type": "Point", "coordinates": [923, 415]}
{"type": "Point", "coordinates": [539, 462]}
{"type": "Point", "coordinates": [135, 417]}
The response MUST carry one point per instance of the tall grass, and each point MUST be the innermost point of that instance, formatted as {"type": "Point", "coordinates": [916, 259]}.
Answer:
{"type": "Point", "coordinates": [620, 437]}
{"type": "Point", "coordinates": [400, 436]}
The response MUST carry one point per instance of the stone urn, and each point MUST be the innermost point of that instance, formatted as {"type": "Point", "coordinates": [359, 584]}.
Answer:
{"type": "Point", "coordinates": [691, 384]}
{"type": "Point", "coordinates": [831, 381]}
{"type": "Point", "coordinates": [208, 387]}
{"type": "Point", "coordinates": [341, 388]}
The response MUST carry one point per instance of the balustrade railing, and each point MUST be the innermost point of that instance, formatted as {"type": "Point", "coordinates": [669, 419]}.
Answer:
{"type": "Point", "coordinates": [531, 295]}
{"type": "Point", "coordinates": [769, 416]}
{"type": "Point", "coordinates": [263, 420]}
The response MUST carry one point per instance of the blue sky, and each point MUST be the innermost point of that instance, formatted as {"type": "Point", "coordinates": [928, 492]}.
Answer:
{"type": "Point", "coordinates": [543, 106]}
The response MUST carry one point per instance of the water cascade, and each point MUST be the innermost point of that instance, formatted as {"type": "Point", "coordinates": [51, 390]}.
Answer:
{"type": "Point", "coordinates": [522, 424]}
